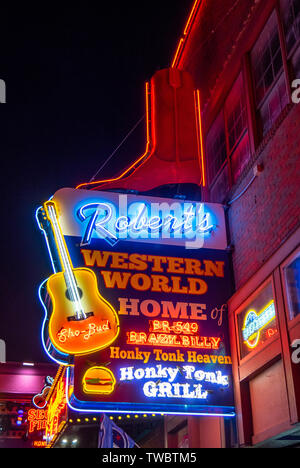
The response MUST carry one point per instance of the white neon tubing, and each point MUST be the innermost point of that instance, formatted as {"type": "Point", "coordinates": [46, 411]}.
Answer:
{"type": "Point", "coordinates": [78, 307]}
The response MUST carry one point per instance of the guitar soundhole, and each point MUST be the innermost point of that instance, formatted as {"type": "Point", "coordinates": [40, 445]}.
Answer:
{"type": "Point", "coordinates": [69, 295]}
{"type": "Point", "coordinates": [76, 319]}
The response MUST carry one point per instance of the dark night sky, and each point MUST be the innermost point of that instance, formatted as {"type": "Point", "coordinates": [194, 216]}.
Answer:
{"type": "Point", "coordinates": [75, 86]}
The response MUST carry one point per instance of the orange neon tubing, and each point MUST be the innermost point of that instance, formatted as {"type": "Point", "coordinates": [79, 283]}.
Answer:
{"type": "Point", "coordinates": [200, 136]}
{"type": "Point", "coordinates": [148, 144]}
{"type": "Point", "coordinates": [186, 31]}
{"type": "Point", "coordinates": [180, 44]}
{"type": "Point", "coordinates": [191, 18]}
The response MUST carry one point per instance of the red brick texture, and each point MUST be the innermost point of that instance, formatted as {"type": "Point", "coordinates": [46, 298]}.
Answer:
{"type": "Point", "coordinates": [269, 211]}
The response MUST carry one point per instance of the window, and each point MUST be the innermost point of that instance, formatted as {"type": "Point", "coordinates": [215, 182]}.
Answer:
{"type": "Point", "coordinates": [228, 142]}
{"type": "Point", "coordinates": [268, 73]}
{"type": "Point", "coordinates": [237, 130]}
{"type": "Point", "coordinates": [290, 10]}
{"type": "Point", "coordinates": [216, 147]}
{"type": "Point", "coordinates": [220, 187]}
{"type": "Point", "coordinates": [292, 285]}
{"type": "Point", "coordinates": [257, 322]}
{"type": "Point", "coordinates": [296, 63]}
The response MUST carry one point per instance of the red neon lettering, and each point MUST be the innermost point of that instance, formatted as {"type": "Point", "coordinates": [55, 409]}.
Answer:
{"type": "Point", "coordinates": [164, 326]}
{"type": "Point", "coordinates": [167, 339]}
{"type": "Point", "coordinates": [37, 419]}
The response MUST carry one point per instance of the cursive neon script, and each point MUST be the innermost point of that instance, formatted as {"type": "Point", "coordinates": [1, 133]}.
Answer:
{"type": "Point", "coordinates": [66, 334]}
{"type": "Point", "coordinates": [141, 220]}
{"type": "Point", "coordinates": [254, 323]}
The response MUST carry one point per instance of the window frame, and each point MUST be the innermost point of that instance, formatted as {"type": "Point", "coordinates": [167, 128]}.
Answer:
{"type": "Point", "coordinates": [284, 73]}
{"type": "Point", "coordinates": [228, 161]}
{"type": "Point", "coordinates": [295, 321]}
{"type": "Point", "coordinates": [254, 125]}
{"type": "Point", "coordinates": [260, 104]}
{"type": "Point", "coordinates": [297, 43]}
{"type": "Point", "coordinates": [218, 172]}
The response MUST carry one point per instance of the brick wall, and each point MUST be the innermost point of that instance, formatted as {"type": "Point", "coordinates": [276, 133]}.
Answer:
{"type": "Point", "coordinates": [269, 211]}
{"type": "Point", "coordinates": [216, 30]}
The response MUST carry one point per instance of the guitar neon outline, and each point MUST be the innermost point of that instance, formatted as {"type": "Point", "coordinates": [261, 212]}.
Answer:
{"type": "Point", "coordinates": [84, 329]}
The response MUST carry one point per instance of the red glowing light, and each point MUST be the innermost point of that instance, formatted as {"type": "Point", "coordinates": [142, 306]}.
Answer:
{"type": "Point", "coordinates": [186, 32]}
{"type": "Point", "coordinates": [170, 340]}
{"type": "Point", "coordinates": [145, 156]}
{"type": "Point", "coordinates": [164, 326]}
{"type": "Point", "coordinates": [200, 136]}
{"type": "Point", "coordinates": [37, 419]}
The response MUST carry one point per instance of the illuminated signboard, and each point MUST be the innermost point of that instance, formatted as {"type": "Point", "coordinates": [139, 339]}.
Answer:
{"type": "Point", "coordinates": [137, 302]}
{"type": "Point", "coordinates": [257, 322]}
{"type": "Point", "coordinates": [37, 419]}
{"type": "Point", "coordinates": [57, 411]}
{"type": "Point", "coordinates": [38, 415]}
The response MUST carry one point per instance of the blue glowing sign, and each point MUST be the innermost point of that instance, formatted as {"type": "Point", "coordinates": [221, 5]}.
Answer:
{"type": "Point", "coordinates": [162, 265]}
{"type": "Point", "coordinates": [114, 217]}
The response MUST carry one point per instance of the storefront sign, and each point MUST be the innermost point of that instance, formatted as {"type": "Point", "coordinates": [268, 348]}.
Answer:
{"type": "Point", "coordinates": [57, 408]}
{"type": "Point", "coordinates": [254, 323]}
{"type": "Point", "coordinates": [37, 419]}
{"type": "Point", "coordinates": [138, 302]}
{"type": "Point", "coordinates": [257, 322]}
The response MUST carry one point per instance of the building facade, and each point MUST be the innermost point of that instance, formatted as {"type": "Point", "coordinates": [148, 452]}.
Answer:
{"type": "Point", "coordinates": [244, 58]}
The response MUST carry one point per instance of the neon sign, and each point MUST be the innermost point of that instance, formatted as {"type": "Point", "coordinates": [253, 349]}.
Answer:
{"type": "Point", "coordinates": [40, 399]}
{"type": "Point", "coordinates": [114, 217]}
{"type": "Point", "coordinates": [138, 222]}
{"type": "Point", "coordinates": [99, 380]}
{"type": "Point", "coordinates": [155, 343]}
{"type": "Point", "coordinates": [82, 321]}
{"type": "Point", "coordinates": [57, 408]}
{"type": "Point", "coordinates": [39, 443]}
{"type": "Point", "coordinates": [255, 322]}
{"type": "Point", "coordinates": [176, 327]}
{"type": "Point", "coordinates": [170, 340]}
{"type": "Point", "coordinates": [37, 419]}
{"type": "Point", "coordinates": [67, 334]}
{"type": "Point", "coordinates": [170, 388]}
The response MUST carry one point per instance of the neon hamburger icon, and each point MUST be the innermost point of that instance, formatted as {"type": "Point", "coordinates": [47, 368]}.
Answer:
{"type": "Point", "coordinates": [99, 380]}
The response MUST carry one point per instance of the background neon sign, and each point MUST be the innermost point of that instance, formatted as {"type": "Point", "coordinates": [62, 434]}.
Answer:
{"type": "Point", "coordinates": [255, 322]}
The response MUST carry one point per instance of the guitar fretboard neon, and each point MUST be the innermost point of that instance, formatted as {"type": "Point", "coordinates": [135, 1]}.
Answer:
{"type": "Point", "coordinates": [65, 260]}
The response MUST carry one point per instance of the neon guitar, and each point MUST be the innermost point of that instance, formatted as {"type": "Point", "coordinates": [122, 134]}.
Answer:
{"type": "Point", "coordinates": [82, 321]}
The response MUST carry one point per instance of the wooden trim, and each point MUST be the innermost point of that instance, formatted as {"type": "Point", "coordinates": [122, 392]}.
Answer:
{"type": "Point", "coordinates": [241, 392]}
{"type": "Point", "coordinates": [271, 433]}
{"type": "Point", "coordinates": [250, 104]}
{"type": "Point", "coordinates": [291, 322]}
{"type": "Point", "coordinates": [261, 360]}
{"type": "Point", "coordinates": [286, 355]}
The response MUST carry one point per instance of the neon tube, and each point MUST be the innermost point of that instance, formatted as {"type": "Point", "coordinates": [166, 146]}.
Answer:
{"type": "Point", "coordinates": [144, 155]}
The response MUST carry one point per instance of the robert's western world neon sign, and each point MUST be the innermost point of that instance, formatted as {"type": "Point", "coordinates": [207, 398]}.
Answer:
{"type": "Point", "coordinates": [126, 291]}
